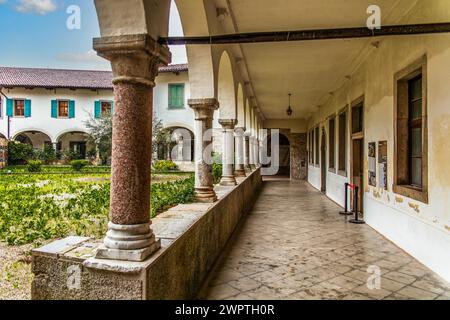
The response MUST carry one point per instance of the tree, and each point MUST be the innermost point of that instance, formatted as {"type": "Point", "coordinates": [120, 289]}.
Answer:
{"type": "Point", "coordinates": [100, 131]}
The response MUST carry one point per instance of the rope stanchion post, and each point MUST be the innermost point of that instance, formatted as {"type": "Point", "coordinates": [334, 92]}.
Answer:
{"type": "Point", "coordinates": [346, 212]}
{"type": "Point", "coordinates": [355, 208]}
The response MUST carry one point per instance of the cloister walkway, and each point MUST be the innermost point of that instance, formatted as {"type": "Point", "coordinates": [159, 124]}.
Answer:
{"type": "Point", "coordinates": [294, 245]}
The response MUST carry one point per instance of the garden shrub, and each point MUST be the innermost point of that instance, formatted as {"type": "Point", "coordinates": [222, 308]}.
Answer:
{"type": "Point", "coordinates": [19, 153]}
{"type": "Point", "coordinates": [217, 172]}
{"type": "Point", "coordinates": [165, 166]}
{"type": "Point", "coordinates": [46, 155]}
{"type": "Point", "coordinates": [34, 166]}
{"type": "Point", "coordinates": [165, 195]}
{"type": "Point", "coordinates": [78, 165]}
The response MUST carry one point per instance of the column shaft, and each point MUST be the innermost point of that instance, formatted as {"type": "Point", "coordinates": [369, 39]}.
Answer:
{"type": "Point", "coordinates": [204, 181]}
{"type": "Point", "coordinates": [239, 143]}
{"type": "Point", "coordinates": [228, 178]}
{"type": "Point", "coordinates": [135, 60]}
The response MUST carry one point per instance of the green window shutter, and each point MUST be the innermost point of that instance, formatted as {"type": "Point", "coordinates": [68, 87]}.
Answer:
{"type": "Point", "coordinates": [9, 108]}
{"type": "Point", "coordinates": [97, 109]}
{"type": "Point", "coordinates": [27, 108]}
{"type": "Point", "coordinates": [55, 109]}
{"type": "Point", "coordinates": [112, 108]}
{"type": "Point", "coordinates": [71, 109]}
{"type": "Point", "coordinates": [176, 95]}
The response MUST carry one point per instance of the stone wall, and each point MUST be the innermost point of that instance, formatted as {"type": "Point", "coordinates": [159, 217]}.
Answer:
{"type": "Point", "coordinates": [298, 156]}
{"type": "Point", "coordinates": [192, 237]}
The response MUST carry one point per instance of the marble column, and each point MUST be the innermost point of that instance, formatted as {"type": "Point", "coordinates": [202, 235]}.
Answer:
{"type": "Point", "coordinates": [204, 182]}
{"type": "Point", "coordinates": [257, 152]}
{"type": "Point", "coordinates": [252, 153]}
{"type": "Point", "coordinates": [135, 60]}
{"type": "Point", "coordinates": [247, 153]}
{"type": "Point", "coordinates": [228, 178]}
{"type": "Point", "coordinates": [239, 143]}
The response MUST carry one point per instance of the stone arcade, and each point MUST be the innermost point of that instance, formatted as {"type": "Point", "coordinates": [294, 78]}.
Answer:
{"type": "Point", "coordinates": [388, 91]}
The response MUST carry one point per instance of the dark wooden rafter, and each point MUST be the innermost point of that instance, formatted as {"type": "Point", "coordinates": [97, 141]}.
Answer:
{"type": "Point", "coordinates": [308, 35]}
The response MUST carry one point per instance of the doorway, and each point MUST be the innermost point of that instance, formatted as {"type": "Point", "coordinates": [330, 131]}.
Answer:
{"type": "Point", "coordinates": [357, 150]}
{"type": "Point", "coordinates": [358, 169]}
{"type": "Point", "coordinates": [323, 162]}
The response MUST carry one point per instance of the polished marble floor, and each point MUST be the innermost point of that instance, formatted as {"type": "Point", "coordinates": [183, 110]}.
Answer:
{"type": "Point", "coordinates": [294, 245]}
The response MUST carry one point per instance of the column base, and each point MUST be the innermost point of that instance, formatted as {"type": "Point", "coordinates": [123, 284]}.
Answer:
{"type": "Point", "coordinates": [252, 167]}
{"type": "Point", "coordinates": [240, 173]}
{"type": "Point", "coordinates": [205, 195]}
{"type": "Point", "coordinates": [128, 243]}
{"type": "Point", "coordinates": [137, 255]}
{"type": "Point", "coordinates": [228, 181]}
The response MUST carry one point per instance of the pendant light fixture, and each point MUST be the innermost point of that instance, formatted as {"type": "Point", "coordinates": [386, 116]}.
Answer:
{"type": "Point", "coordinates": [289, 110]}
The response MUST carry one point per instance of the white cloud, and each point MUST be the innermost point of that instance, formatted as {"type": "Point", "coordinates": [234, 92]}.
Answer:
{"type": "Point", "coordinates": [41, 7]}
{"type": "Point", "coordinates": [3, 1]}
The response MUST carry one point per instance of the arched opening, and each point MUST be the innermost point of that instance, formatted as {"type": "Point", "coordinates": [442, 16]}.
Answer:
{"type": "Point", "coordinates": [176, 144]}
{"type": "Point", "coordinates": [226, 92]}
{"type": "Point", "coordinates": [36, 139]}
{"type": "Point", "coordinates": [76, 145]}
{"type": "Point", "coordinates": [284, 154]}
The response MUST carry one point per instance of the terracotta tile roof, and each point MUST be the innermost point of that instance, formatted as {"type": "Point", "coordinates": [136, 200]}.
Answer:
{"type": "Point", "coordinates": [59, 78]}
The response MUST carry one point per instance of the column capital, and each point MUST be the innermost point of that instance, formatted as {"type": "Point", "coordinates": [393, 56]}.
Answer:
{"type": "Point", "coordinates": [134, 58]}
{"type": "Point", "coordinates": [204, 108]}
{"type": "Point", "coordinates": [228, 123]}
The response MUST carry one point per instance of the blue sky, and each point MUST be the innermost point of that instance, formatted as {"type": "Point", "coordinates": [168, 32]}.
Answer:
{"type": "Point", "coordinates": [33, 33]}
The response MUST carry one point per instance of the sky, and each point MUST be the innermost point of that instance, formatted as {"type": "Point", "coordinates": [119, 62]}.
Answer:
{"type": "Point", "coordinates": [34, 33]}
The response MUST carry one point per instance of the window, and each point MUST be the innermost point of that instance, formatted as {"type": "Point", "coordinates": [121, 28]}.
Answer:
{"type": "Point", "coordinates": [411, 177]}
{"type": "Point", "coordinates": [342, 142]}
{"type": "Point", "coordinates": [176, 96]}
{"type": "Point", "coordinates": [331, 143]}
{"type": "Point", "coordinates": [63, 109]}
{"type": "Point", "coordinates": [316, 136]}
{"type": "Point", "coordinates": [311, 148]}
{"type": "Point", "coordinates": [106, 108]}
{"type": "Point", "coordinates": [19, 108]}
{"type": "Point", "coordinates": [358, 118]}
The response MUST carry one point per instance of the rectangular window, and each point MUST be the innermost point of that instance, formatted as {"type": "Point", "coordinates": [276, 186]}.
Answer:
{"type": "Point", "coordinates": [176, 96]}
{"type": "Point", "coordinates": [106, 108]}
{"type": "Point", "coordinates": [411, 178]}
{"type": "Point", "coordinates": [342, 142]}
{"type": "Point", "coordinates": [331, 143]}
{"type": "Point", "coordinates": [415, 132]}
{"type": "Point", "coordinates": [316, 136]}
{"type": "Point", "coordinates": [19, 108]}
{"type": "Point", "coordinates": [63, 109]}
{"type": "Point", "coordinates": [358, 118]}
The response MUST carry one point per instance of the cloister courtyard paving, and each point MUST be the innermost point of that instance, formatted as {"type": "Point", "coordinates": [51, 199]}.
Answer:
{"type": "Point", "coordinates": [295, 245]}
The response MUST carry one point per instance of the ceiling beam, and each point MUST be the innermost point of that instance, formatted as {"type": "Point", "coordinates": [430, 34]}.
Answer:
{"type": "Point", "coordinates": [309, 35]}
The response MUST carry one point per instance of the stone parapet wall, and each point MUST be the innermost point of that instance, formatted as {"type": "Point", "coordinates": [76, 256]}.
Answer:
{"type": "Point", "coordinates": [192, 238]}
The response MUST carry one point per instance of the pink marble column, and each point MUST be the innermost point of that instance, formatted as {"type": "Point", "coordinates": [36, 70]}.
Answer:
{"type": "Point", "coordinates": [135, 60]}
{"type": "Point", "coordinates": [204, 114]}
{"type": "Point", "coordinates": [228, 178]}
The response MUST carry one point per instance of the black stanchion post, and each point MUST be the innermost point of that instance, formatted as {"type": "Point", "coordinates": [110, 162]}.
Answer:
{"type": "Point", "coordinates": [355, 208]}
{"type": "Point", "coordinates": [346, 212]}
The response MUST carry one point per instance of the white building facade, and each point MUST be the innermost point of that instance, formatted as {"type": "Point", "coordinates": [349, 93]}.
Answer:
{"type": "Point", "coordinates": [44, 106]}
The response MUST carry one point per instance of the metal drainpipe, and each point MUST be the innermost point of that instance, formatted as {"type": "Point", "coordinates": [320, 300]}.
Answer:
{"type": "Point", "coordinates": [8, 128]}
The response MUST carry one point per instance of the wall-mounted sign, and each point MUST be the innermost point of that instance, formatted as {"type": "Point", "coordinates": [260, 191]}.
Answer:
{"type": "Point", "coordinates": [372, 164]}
{"type": "Point", "coordinates": [382, 165]}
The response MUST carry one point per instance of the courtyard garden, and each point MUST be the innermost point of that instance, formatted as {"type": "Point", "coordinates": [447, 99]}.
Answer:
{"type": "Point", "coordinates": [58, 201]}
